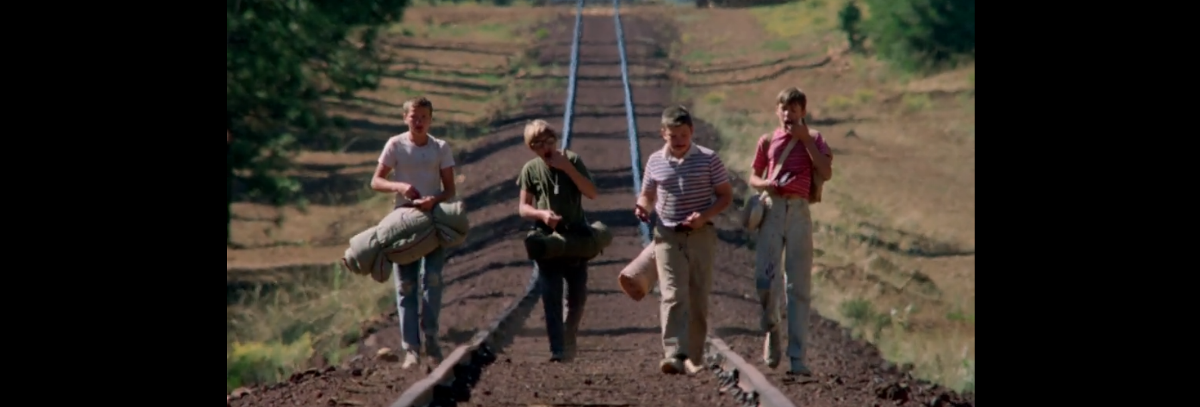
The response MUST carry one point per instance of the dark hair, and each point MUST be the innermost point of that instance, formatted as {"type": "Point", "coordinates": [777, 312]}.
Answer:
{"type": "Point", "coordinates": [793, 95]}
{"type": "Point", "coordinates": [676, 116]}
{"type": "Point", "coordinates": [419, 101]}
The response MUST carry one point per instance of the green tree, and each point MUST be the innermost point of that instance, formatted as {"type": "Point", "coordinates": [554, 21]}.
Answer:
{"type": "Point", "coordinates": [849, 17]}
{"type": "Point", "coordinates": [283, 59]}
{"type": "Point", "coordinates": [922, 34]}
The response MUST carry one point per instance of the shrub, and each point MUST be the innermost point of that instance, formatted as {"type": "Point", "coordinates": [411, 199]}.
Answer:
{"type": "Point", "coordinates": [922, 34]}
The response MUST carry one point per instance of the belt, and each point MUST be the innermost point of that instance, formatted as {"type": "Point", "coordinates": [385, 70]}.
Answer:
{"type": "Point", "coordinates": [564, 228]}
{"type": "Point", "coordinates": [789, 196]}
{"type": "Point", "coordinates": [682, 228]}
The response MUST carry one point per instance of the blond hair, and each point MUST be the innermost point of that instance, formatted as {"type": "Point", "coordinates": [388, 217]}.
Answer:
{"type": "Point", "coordinates": [538, 129]}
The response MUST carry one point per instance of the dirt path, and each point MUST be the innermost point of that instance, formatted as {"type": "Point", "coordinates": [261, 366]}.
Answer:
{"type": "Point", "coordinates": [619, 341]}
{"type": "Point", "coordinates": [619, 344]}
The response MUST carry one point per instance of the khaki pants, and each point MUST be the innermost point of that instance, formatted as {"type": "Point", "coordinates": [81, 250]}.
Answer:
{"type": "Point", "coordinates": [684, 262]}
{"type": "Point", "coordinates": [786, 228]}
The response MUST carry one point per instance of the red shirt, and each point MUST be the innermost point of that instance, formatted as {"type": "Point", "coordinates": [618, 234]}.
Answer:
{"type": "Point", "coordinates": [798, 162]}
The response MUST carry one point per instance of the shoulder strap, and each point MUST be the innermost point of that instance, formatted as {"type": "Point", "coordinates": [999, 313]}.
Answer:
{"type": "Point", "coordinates": [782, 157]}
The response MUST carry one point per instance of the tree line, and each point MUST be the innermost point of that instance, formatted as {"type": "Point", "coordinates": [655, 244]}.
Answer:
{"type": "Point", "coordinates": [914, 35]}
{"type": "Point", "coordinates": [284, 59]}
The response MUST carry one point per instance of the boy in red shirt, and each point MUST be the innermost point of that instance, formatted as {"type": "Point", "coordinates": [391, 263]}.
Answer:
{"type": "Point", "coordinates": [787, 224]}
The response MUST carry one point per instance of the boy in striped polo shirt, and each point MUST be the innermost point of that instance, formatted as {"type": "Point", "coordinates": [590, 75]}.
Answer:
{"type": "Point", "coordinates": [787, 226]}
{"type": "Point", "coordinates": [687, 185]}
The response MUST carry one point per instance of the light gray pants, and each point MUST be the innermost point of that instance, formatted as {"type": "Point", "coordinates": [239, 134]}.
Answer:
{"type": "Point", "coordinates": [428, 271]}
{"type": "Point", "coordinates": [786, 238]}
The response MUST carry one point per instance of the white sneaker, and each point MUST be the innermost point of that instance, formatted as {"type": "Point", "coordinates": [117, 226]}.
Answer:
{"type": "Point", "coordinates": [410, 359]}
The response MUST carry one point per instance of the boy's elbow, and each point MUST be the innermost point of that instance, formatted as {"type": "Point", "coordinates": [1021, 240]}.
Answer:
{"type": "Point", "coordinates": [377, 184]}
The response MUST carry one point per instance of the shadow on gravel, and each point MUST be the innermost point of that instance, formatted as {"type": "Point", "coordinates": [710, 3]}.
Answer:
{"type": "Point", "coordinates": [469, 157]}
{"type": "Point", "coordinates": [522, 263]}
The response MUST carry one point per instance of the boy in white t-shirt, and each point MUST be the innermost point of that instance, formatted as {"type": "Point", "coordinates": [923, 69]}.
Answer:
{"type": "Point", "coordinates": [421, 171]}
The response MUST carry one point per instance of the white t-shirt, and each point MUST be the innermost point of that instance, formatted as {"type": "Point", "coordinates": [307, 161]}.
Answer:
{"type": "Point", "coordinates": [417, 165]}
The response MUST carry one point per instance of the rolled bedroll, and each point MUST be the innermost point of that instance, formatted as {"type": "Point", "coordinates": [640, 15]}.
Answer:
{"type": "Point", "coordinates": [639, 275]}
{"type": "Point", "coordinates": [588, 244]}
{"type": "Point", "coordinates": [403, 237]}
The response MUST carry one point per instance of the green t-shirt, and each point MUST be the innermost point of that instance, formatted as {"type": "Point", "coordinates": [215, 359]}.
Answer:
{"type": "Point", "coordinates": [538, 179]}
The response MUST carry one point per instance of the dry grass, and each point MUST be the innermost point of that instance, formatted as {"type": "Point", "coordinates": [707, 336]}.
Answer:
{"type": "Point", "coordinates": [287, 306]}
{"type": "Point", "coordinates": [902, 200]}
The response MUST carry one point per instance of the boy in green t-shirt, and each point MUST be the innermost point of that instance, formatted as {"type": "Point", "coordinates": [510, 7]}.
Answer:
{"type": "Point", "coordinates": [552, 187]}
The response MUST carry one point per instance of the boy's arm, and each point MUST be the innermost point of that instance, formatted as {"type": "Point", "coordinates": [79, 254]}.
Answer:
{"type": "Point", "coordinates": [760, 166]}
{"type": "Point", "coordinates": [447, 175]}
{"type": "Point", "coordinates": [379, 181]}
{"type": "Point", "coordinates": [649, 192]}
{"type": "Point", "coordinates": [582, 178]}
{"type": "Point", "coordinates": [448, 188]}
{"type": "Point", "coordinates": [525, 208]}
{"type": "Point", "coordinates": [721, 188]}
{"type": "Point", "coordinates": [528, 212]}
{"type": "Point", "coordinates": [822, 157]}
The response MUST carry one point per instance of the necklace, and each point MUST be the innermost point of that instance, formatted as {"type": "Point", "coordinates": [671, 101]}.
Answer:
{"type": "Point", "coordinates": [555, 182]}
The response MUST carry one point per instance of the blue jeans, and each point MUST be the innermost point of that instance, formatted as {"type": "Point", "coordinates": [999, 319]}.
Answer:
{"type": "Point", "coordinates": [428, 271]}
{"type": "Point", "coordinates": [786, 232]}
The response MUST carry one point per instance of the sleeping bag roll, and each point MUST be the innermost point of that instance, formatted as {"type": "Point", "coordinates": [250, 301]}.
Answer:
{"type": "Point", "coordinates": [641, 273]}
{"type": "Point", "coordinates": [587, 243]}
{"type": "Point", "coordinates": [404, 236]}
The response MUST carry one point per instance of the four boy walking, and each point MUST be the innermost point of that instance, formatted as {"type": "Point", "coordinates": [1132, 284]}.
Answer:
{"type": "Point", "coordinates": [685, 185]}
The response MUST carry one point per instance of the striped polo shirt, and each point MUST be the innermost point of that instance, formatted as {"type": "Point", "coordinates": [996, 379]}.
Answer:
{"type": "Point", "coordinates": [683, 185]}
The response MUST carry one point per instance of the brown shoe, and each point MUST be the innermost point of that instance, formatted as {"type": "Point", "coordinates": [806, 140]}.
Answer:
{"type": "Point", "coordinates": [671, 366]}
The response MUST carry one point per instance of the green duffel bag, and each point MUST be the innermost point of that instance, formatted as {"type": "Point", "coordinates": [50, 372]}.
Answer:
{"type": "Point", "coordinates": [587, 243]}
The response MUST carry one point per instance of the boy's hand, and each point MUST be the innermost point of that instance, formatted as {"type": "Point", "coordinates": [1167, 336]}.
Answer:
{"type": "Point", "coordinates": [408, 191]}
{"type": "Point", "coordinates": [801, 132]}
{"type": "Point", "coordinates": [556, 159]}
{"type": "Point", "coordinates": [781, 182]}
{"type": "Point", "coordinates": [424, 204]}
{"type": "Point", "coordinates": [695, 220]}
{"type": "Point", "coordinates": [641, 213]}
{"type": "Point", "coordinates": [551, 219]}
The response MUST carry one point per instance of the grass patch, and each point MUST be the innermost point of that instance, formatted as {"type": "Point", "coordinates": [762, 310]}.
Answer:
{"type": "Point", "coordinates": [280, 321]}
{"type": "Point", "coordinates": [839, 102]}
{"type": "Point", "coordinates": [701, 57]}
{"type": "Point", "coordinates": [777, 46]}
{"type": "Point", "coordinates": [902, 341]}
{"type": "Point", "coordinates": [916, 102]}
{"type": "Point", "coordinates": [273, 330]}
{"type": "Point", "coordinates": [798, 19]}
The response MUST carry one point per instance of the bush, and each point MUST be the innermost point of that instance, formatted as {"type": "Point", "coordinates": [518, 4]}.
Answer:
{"type": "Point", "coordinates": [848, 18]}
{"type": "Point", "coordinates": [922, 34]}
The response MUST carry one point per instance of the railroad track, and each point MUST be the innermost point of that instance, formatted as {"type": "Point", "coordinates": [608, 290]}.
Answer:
{"type": "Point", "coordinates": [617, 362]}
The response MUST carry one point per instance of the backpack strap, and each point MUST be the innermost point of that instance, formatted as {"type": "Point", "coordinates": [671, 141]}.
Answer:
{"type": "Point", "coordinates": [782, 157]}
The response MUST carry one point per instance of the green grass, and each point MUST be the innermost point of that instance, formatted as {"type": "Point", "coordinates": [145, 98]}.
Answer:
{"type": "Point", "coordinates": [798, 19]}
{"type": "Point", "coordinates": [777, 46]}
{"type": "Point", "coordinates": [273, 331]}
{"type": "Point", "coordinates": [702, 57]}
{"type": "Point", "coordinates": [900, 344]}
